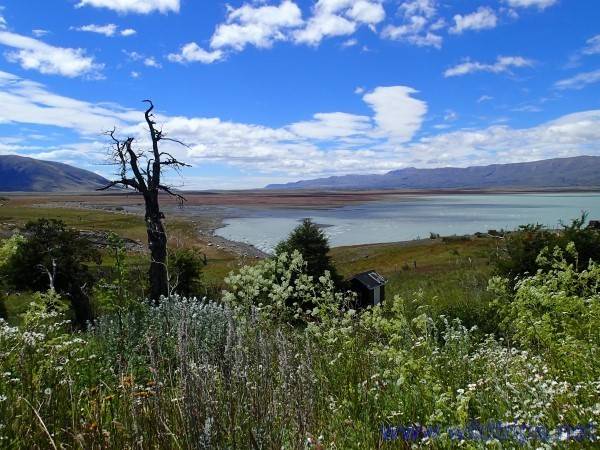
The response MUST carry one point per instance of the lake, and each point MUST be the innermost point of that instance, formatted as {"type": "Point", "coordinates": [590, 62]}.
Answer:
{"type": "Point", "coordinates": [413, 217]}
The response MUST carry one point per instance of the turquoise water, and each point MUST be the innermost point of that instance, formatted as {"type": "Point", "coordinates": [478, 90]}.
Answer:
{"type": "Point", "coordinates": [411, 217]}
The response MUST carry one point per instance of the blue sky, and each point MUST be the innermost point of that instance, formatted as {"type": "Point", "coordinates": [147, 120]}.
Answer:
{"type": "Point", "coordinates": [272, 91]}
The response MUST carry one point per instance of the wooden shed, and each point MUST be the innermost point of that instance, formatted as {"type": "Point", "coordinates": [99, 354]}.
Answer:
{"type": "Point", "coordinates": [369, 287]}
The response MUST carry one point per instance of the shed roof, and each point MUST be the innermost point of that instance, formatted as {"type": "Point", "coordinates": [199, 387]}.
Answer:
{"type": "Point", "coordinates": [370, 279]}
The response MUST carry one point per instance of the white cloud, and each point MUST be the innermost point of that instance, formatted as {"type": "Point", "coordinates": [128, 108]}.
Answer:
{"type": "Point", "coordinates": [339, 18]}
{"type": "Point", "coordinates": [397, 114]}
{"type": "Point", "coordinates": [327, 144]}
{"type": "Point", "coordinates": [107, 30]}
{"type": "Point", "coordinates": [259, 26]}
{"type": "Point", "coordinates": [503, 64]}
{"type": "Point", "coordinates": [419, 26]}
{"type": "Point", "coordinates": [38, 32]}
{"type": "Point", "coordinates": [579, 81]}
{"type": "Point", "coordinates": [483, 18]}
{"type": "Point", "coordinates": [192, 52]}
{"type": "Point", "coordinates": [450, 115]}
{"type": "Point", "coordinates": [540, 4]}
{"type": "Point", "coordinates": [332, 125]}
{"type": "Point", "coordinates": [2, 22]}
{"type": "Point", "coordinates": [592, 46]}
{"type": "Point", "coordinates": [262, 25]}
{"type": "Point", "coordinates": [411, 33]}
{"type": "Point", "coordinates": [366, 12]}
{"type": "Point", "coordinates": [134, 56]}
{"type": "Point", "coordinates": [292, 149]}
{"type": "Point", "coordinates": [308, 147]}
{"type": "Point", "coordinates": [25, 101]}
{"type": "Point", "coordinates": [484, 98]}
{"type": "Point", "coordinates": [33, 54]}
{"type": "Point", "coordinates": [148, 61]}
{"type": "Point", "coordinates": [134, 6]}
{"type": "Point", "coordinates": [570, 135]}
{"type": "Point", "coordinates": [151, 62]}
{"type": "Point", "coordinates": [134, 74]}
{"type": "Point", "coordinates": [424, 8]}
{"type": "Point", "coordinates": [276, 153]}
{"type": "Point", "coordinates": [527, 108]}
{"type": "Point", "coordinates": [322, 26]}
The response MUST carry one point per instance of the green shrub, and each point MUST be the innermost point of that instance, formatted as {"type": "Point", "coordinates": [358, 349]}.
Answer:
{"type": "Point", "coordinates": [555, 311]}
{"type": "Point", "coordinates": [8, 248]}
{"type": "Point", "coordinates": [53, 256]}
{"type": "Point", "coordinates": [282, 289]}
{"type": "Point", "coordinates": [113, 292]}
{"type": "Point", "coordinates": [308, 239]}
{"type": "Point", "coordinates": [189, 374]}
{"type": "Point", "coordinates": [185, 272]}
{"type": "Point", "coordinates": [522, 247]}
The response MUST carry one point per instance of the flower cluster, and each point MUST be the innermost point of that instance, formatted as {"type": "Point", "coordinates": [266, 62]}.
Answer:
{"type": "Point", "coordinates": [282, 361]}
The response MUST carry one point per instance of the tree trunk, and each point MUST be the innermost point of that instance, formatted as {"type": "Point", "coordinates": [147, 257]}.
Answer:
{"type": "Point", "coordinates": [80, 303]}
{"type": "Point", "coordinates": [157, 243]}
{"type": "Point", "coordinates": [147, 182]}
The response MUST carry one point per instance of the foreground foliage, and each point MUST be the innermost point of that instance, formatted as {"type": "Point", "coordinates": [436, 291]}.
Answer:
{"type": "Point", "coordinates": [522, 247]}
{"type": "Point", "coordinates": [311, 242]}
{"type": "Point", "coordinates": [237, 374]}
{"type": "Point", "coordinates": [52, 256]}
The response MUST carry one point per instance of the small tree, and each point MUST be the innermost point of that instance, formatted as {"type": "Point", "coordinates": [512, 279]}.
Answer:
{"type": "Point", "coordinates": [311, 242]}
{"type": "Point", "coordinates": [142, 171]}
{"type": "Point", "coordinates": [54, 257]}
{"type": "Point", "coordinates": [185, 271]}
{"type": "Point", "coordinates": [522, 247]}
{"type": "Point", "coordinates": [113, 292]}
{"type": "Point", "coordinates": [8, 248]}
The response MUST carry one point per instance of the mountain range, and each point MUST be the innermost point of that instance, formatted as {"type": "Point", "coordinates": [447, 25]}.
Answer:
{"type": "Point", "coordinates": [579, 171]}
{"type": "Point", "coordinates": [19, 173]}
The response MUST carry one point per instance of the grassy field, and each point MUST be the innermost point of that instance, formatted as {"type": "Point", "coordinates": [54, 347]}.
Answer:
{"type": "Point", "coordinates": [434, 276]}
{"type": "Point", "coordinates": [225, 374]}
{"type": "Point", "coordinates": [451, 275]}
{"type": "Point", "coordinates": [182, 234]}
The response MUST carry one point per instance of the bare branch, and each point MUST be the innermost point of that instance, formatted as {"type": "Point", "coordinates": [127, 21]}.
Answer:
{"type": "Point", "coordinates": [111, 133]}
{"type": "Point", "coordinates": [155, 137]}
{"type": "Point", "coordinates": [148, 175]}
{"type": "Point", "coordinates": [176, 141]}
{"type": "Point", "coordinates": [174, 162]}
{"type": "Point", "coordinates": [133, 162]}
{"type": "Point", "coordinates": [127, 182]}
{"type": "Point", "coordinates": [169, 191]}
{"type": "Point", "coordinates": [150, 108]}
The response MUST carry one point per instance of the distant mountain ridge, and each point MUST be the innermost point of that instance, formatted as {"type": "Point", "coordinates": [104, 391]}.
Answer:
{"type": "Point", "coordinates": [578, 171]}
{"type": "Point", "coordinates": [19, 173]}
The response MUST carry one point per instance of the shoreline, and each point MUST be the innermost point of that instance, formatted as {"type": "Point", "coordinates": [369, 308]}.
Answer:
{"type": "Point", "coordinates": [207, 211]}
{"type": "Point", "coordinates": [205, 230]}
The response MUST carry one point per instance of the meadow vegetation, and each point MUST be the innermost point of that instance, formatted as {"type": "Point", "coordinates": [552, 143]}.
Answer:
{"type": "Point", "coordinates": [472, 336]}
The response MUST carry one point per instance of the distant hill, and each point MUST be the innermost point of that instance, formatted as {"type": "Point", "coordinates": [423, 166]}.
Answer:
{"type": "Point", "coordinates": [18, 173]}
{"type": "Point", "coordinates": [580, 171]}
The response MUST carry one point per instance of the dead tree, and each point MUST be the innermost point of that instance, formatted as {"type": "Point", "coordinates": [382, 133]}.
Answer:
{"type": "Point", "coordinates": [142, 171]}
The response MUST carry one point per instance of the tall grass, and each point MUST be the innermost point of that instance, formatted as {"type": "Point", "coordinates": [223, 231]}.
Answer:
{"type": "Point", "coordinates": [189, 374]}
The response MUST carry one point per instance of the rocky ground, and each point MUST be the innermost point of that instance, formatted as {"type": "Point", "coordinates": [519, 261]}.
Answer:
{"type": "Point", "coordinates": [204, 221]}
